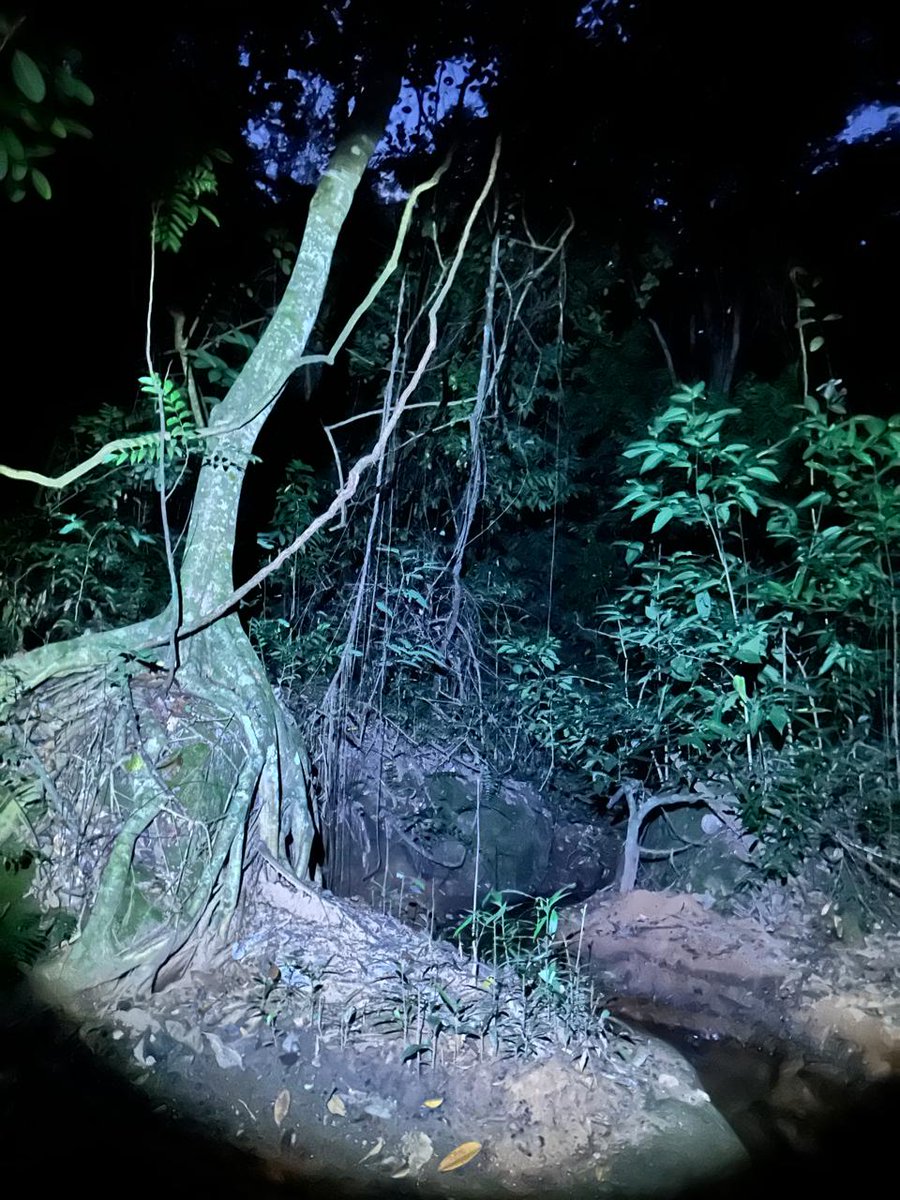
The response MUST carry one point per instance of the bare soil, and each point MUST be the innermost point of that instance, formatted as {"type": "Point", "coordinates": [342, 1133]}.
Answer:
{"type": "Point", "coordinates": [295, 1039]}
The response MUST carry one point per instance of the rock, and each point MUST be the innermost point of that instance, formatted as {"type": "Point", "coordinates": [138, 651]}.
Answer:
{"type": "Point", "coordinates": [416, 824]}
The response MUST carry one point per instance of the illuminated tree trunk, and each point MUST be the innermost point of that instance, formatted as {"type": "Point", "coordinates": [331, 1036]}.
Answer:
{"type": "Point", "coordinates": [221, 656]}
{"type": "Point", "coordinates": [196, 747]}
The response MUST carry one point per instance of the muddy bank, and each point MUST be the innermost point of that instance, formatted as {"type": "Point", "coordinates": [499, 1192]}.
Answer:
{"type": "Point", "coordinates": [332, 1043]}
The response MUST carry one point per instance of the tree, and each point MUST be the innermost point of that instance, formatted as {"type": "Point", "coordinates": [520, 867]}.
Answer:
{"type": "Point", "coordinates": [197, 716]}
{"type": "Point", "coordinates": [178, 704]}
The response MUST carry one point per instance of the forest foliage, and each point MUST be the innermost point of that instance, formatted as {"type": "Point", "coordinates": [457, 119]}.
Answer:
{"type": "Point", "coordinates": [568, 562]}
{"type": "Point", "coordinates": [583, 577]}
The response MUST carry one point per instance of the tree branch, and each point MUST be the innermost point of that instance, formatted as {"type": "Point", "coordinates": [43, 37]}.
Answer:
{"type": "Point", "coordinates": [375, 455]}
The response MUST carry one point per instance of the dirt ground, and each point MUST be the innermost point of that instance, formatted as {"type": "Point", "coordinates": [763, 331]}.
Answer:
{"type": "Point", "coordinates": [326, 1033]}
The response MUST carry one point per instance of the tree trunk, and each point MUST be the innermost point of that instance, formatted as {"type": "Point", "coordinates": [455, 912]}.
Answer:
{"type": "Point", "coordinates": [189, 750]}
{"type": "Point", "coordinates": [222, 655]}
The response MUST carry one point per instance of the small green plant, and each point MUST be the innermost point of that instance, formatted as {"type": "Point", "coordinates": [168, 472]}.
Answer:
{"type": "Point", "coordinates": [418, 1009]}
{"type": "Point", "coordinates": [181, 208]}
{"type": "Point", "coordinates": [26, 933]}
{"type": "Point", "coordinates": [296, 658]}
{"type": "Point", "coordinates": [143, 451]}
{"type": "Point", "coordinates": [551, 1000]}
{"type": "Point", "coordinates": [517, 932]}
{"type": "Point", "coordinates": [294, 991]}
{"type": "Point", "coordinates": [91, 556]}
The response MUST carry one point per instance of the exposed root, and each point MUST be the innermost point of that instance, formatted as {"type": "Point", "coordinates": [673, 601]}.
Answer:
{"type": "Point", "coordinates": [136, 794]}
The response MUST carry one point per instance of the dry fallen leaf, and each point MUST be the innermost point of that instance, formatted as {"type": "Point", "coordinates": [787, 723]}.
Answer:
{"type": "Point", "coordinates": [282, 1104]}
{"type": "Point", "coordinates": [145, 1059]}
{"type": "Point", "coordinates": [137, 1020]}
{"type": "Point", "coordinates": [436, 1102]}
{"type": "Point", "coordinates": [458, 1157]}
{"type": "Point", "coordinates": [417, 1149]}
{"type": "Point", "coordinates": [376, 1149]}
{"type": "Point", "coordinates": [335, 1105]}
{"type": "Point", "coordinates": [225, 1056]}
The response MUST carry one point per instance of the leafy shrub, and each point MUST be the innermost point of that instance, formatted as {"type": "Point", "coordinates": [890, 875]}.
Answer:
{"type": "Point", "coordinates": [758, 634]}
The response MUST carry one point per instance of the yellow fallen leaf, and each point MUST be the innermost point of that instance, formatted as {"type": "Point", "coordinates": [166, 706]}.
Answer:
{"type": "Point", "coordinates": [281, 1106]}
{"type": "Point", "coordinates": [435, 1103]}
{"type": "Point", "coordinates": [335, 1105]}
{"type": "Point", "coordinates": [463, 1153]}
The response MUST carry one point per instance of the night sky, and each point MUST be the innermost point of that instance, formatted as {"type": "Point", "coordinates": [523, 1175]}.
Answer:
{"type": "Point", "coordinates": [748, 139]}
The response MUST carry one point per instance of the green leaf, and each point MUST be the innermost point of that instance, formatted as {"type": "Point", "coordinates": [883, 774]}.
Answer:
{"type": "Point", "coordinates": [874, 426]}
{"type": "Point", "coordinates": [635, 494]}
{"type": "Point", "coordinates": [76, 127]}
{"type": "Point", "coordinates": [4, 160]}
{"type": "Point", "coordinates": [40, 183]}
{"type": "Point", "coordinates": [752, 650]}
{"type": "Point", "coordinates": [13, 144]}
{"type": "Point", "coordinates": [683, 668]}
{"type": "Point", "coordinates": [28, 119]}
{"type": "Point", "coordinates": [703, 604]}
{"type": "Point", "coordinates": [835, 655]}
{"type": "Point", "coordinates": [450, 1001]}
{"type": "Point", "coordinates": [81, 91]}
{"type": "Point", "coordinates": [763, 473]}
{"type": "Point", "coordinates": [816, 344]}
{"type": "Point", "coordinates": [812, 498]}
{"type": "Point", "coordinates": [679, 415]}
{"type": "Point", "coordinates": [778, 718]}
{"type": "Point", "coordinates": [663, 517]}
{"type": "Point", "coordinates": [651, 461]}
{"type": "Point", "coordinates": [28, 78]}
{"type": "Point", "coordinates": [740, 686]}
{"type": "Point", "coordinates": [642, 509]}
{"type": "Point", "coordinates": [748, 500]}
{"type": "Point", "coordinates": [714, 728]}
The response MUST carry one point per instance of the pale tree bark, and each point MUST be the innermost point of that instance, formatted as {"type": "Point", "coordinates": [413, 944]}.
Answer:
{"type": "Point", "coordinates": [255, 754]}
{"type": "Point", "coordinates": [206, 572]}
